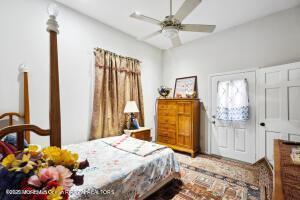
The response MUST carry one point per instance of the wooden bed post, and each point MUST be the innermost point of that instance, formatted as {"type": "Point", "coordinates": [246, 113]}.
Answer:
{"type": "Point", "coordinates": [26, 102]}
{"type": "Point", "coordinates": [55, 118]}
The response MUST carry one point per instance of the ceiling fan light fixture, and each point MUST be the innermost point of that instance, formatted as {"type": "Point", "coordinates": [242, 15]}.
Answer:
{"type": "Point", "coordinates": [137, 13]}
{"type": "Point", "coordinates": [170, 32]}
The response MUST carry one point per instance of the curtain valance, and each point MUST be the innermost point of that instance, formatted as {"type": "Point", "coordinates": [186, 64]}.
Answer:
{"type": "Point", "coordinates": [107, 59]}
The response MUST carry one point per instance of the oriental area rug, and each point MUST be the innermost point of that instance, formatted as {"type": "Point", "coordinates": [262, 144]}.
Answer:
{"type": "Point", "coordinates": [211, 178]}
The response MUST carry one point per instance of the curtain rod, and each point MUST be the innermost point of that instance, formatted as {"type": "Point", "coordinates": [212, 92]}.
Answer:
{"type": "Point", "coordinates": [98, 48]}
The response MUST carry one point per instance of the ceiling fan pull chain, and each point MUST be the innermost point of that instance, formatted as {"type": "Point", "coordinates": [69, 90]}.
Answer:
{"type": "Point", "coordinates": [170, 8]}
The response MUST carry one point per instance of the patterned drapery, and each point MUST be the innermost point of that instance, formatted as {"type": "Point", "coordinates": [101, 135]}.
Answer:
{"type": "Point", "coordinates": [117, 80]}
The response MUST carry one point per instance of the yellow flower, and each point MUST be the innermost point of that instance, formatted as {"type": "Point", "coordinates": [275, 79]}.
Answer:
{"type": "Point", "coordinates": [25, 165]}
{"type": "Point", "coordinates": [55, 193]}
{"type": "Point", "coordinates": [69, 159]}
{"type": "Point", "coordinates": [8, 160]}
{"type": "Point", "coordinates": [60, 157]}
{"type": "Point", "coordinates": [33, 148]}
{"type": "Point", "coordinates": [13, 164]}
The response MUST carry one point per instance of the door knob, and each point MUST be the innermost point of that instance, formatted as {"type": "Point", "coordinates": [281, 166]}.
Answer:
{"type": "Point", "coordinates": [262, 124]}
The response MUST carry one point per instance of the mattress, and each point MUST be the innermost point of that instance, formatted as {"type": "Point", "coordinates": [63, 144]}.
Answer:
{"type": "Point", "coordinates": [118, 174]}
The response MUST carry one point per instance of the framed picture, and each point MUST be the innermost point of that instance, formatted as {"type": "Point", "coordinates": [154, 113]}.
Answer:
{"type": "Point", "coordinates": [184, 86]}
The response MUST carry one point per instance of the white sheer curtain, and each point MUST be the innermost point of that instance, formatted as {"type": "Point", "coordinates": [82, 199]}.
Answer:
{"type": "Point", "coordinates": [233, 100]}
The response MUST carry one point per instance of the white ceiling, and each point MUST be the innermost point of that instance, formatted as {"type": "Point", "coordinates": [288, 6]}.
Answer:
{"type": "Point", "coordinates": [223, 13]}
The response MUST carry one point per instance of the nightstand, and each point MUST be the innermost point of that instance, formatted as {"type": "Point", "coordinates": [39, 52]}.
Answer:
{"type": "Point", "coordinates": [142, 133]}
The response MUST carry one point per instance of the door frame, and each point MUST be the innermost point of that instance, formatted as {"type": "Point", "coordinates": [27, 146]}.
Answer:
{"type": "Point", "coordinates": [209, 113]}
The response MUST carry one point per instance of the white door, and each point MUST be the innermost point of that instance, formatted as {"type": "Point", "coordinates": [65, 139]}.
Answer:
{"type": "Point", "coordinates": [234, 140]}
{"type": "Point", "coordinates": [279, 106]}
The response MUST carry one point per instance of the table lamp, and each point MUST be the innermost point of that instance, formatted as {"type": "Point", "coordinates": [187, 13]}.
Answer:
{"type": "Point", "coordinates": [132, 108]}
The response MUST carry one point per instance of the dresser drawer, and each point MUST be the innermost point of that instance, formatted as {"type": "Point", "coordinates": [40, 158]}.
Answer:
{"type": "Point", "coordinates": [167, 119]}
{"type": "Point", "coordinates": [167, 106]}
{"type": "Point", "coordinates": [167, 112]}
{"type": "Point", "coordinates": [165, 139]}
{"type": "Point", "coordinates": [162, 133]}
{"type": "Point", "coordinates": [167, 126]}
{"type": "Point", "coordinates": [142, 135]}
{"type": "Point", "coordinates": [166, 132]}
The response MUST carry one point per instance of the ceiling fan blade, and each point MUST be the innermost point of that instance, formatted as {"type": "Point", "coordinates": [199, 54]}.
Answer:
{"type": "Point", "coordinates": [144, 18]}
{"type": "Point", "coordinates": [150, 35]}
{"type": "Point", "coordinates": [176, 41]}
{"type": "Point", "coordinates": [198, 28]}
{"type": "Point", "coordinates": [187, 7]}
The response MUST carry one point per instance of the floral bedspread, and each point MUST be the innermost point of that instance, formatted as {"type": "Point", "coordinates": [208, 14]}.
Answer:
{"type": "Point", "coordinates": [117, 174]}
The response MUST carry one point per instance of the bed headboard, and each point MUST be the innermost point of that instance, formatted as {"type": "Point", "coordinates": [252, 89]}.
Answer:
{"type": "Point", "coordinates": [54, 130]}
{"type": "Point", "coordinates": [26, 115]}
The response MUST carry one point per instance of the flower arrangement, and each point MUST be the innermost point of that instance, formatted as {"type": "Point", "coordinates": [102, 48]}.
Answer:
{"type": "Point", "coordinates": [46, 174]}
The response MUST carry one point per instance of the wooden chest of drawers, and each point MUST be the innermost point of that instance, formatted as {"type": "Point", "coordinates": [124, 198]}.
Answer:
{"type": "Point", "coordinates": [178, 124]}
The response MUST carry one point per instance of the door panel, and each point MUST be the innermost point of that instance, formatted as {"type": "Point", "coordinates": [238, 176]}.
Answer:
{"type": "Point", "coordinates": [222, 137]}
{"type": "Point", "coordinates": [273, 110]}
{"type": "Point", "coordinates": [278, 107]}
{"type": "Point", "coordinates": [294, 97]}
{"type": "Point", "coordinates": [184, 108]}
{"type": "Point", "coordinates": [240, 140]}
{"type": "Point", "coordinates": [235, 140]}
{"type": "Point", "coordinates": [294, 74]}
{"type": "Point", "coordinates": [272, 77]}
{"type": "Point", "coordinates": [184, 130]}
{"type": "Point", "coordinates": [184, 124]}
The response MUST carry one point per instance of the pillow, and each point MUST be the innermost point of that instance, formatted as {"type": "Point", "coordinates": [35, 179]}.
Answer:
{"type": "Point", "coordinates": [12, 139]}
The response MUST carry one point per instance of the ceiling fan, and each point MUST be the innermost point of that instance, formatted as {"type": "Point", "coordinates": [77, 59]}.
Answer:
{"type": "Point", "coordinates": [171, 25]}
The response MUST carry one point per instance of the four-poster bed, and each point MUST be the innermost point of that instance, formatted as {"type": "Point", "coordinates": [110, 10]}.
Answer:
{"type": "Point", "coordinates": [118, 172]}
{"type": "Point", "coordinates": [54, 119]}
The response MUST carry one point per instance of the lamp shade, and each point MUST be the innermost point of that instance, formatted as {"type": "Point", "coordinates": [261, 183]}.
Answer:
{"type": "Point", "coordinates": [131, 107]}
